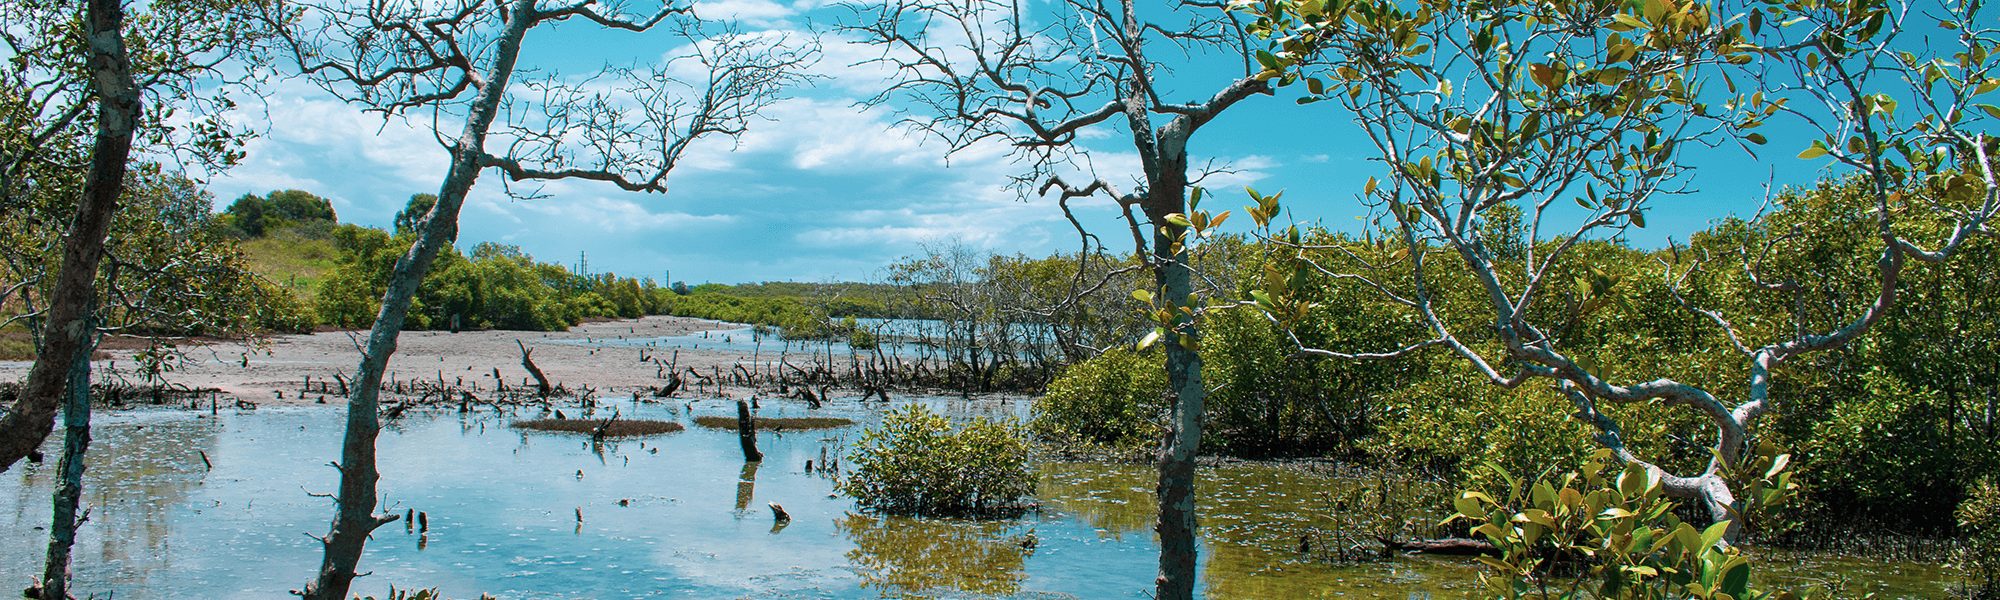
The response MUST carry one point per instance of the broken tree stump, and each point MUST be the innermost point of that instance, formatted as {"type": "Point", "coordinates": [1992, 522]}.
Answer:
{"type": "Point", "coordinates": [528, 361]}
{"type": "Point", "coordinates": [746, 431]}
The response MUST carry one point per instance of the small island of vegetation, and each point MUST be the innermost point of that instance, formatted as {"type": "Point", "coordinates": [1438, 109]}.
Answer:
{"type": "Point", "coordinates": [601, 427]}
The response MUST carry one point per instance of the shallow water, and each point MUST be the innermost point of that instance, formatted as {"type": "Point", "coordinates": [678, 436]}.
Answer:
{"type": "Point", "coordinates": [675, 515]}
{"type": "Point", "coordinates": [745, 339]}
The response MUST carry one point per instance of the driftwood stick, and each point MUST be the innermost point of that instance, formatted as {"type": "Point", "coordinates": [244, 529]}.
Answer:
{"type": "Point", "coordinates": [1448, 546]}
{"type": "Point", "coordinates": [528, 361]}
{"type": "Point", "coordinates": [597, 433]}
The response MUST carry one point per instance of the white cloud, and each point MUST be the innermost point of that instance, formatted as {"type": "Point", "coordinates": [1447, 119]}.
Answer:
{"type": "Point", "coordinates": [1254, 162]}
{"type": "Point", "coordinates": [760, 13]}
{"type": "Point", "coordinates": [490, 206]}
{"type": "Point", "coordinates": [616, 215]}
{"type": "Point", "coordinates": [1315, 158]}
{"type": "Point", "coordinates": [367, 166]}
{"type": "Point", "coordinates": [821, 135]}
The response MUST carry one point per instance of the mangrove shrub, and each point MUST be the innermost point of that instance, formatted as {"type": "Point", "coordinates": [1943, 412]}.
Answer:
{"type": "Point", "coordinates": [914, 464]}
{"type": "Point", "coordinates": [1113, 400]}
{"type": "Point", "coordinates": [1608, 532]}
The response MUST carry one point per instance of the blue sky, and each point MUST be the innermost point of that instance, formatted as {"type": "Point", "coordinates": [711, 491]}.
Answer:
{"type": "Point", "coordinates": [827, 190]}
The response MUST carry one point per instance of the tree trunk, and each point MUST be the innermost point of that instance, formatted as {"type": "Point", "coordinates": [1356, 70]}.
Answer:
{"type": "Point", "coordinates": [354, 516]}
{"type": "Point", "coordinates": [1177, 524]}
{"type": "Point", "coordinates": [65, 329]}
{"type": "Point", "coordinates": [76, 440]}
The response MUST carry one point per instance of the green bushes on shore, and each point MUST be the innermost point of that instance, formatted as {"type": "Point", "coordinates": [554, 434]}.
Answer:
{"type": "Point", "coordinates": [1896, 426]}
{"type": "Point", "coordinates": [501, 287]}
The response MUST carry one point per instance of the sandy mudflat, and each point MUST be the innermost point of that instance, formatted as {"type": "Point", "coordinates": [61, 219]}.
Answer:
{"type": "Point", "coordinates": [282, 363]}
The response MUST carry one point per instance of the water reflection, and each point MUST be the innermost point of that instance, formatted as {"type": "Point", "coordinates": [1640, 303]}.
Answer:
{"type": "Point", "coordinates": [140, 472]}
{"type": "Point", "coordinates": [1252, 517]}
{"type": "Point", "coordinates": [1114, 499]}
{"type": "Point", "coordinates": [681, 515]}
{"type": "Point", "coordinates": [746, 487]}
{"type": "Point", "coordinates": [903, 555]}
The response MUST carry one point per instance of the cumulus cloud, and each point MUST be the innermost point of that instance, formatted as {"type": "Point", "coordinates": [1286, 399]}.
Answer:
{"type": "Point", "coordinates": [616, 215]}
{"type": "Point", "coordinates": [310, 141]}
{"type": "Point", "coordinates": [761, 13]}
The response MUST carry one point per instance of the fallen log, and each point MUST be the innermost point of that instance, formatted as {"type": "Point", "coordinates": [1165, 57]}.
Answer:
{"type": "Point", "coordinates": [1445, 546]}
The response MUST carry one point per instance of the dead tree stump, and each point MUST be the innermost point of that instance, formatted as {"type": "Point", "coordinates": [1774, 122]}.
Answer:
{"type": "Point", "coordinates": [746, 431]}
{"type": "Point", "coordinates": [528, 361]}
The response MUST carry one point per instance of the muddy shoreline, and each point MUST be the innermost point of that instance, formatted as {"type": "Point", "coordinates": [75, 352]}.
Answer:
{"type": "Point", "coordinates": [272, 370]}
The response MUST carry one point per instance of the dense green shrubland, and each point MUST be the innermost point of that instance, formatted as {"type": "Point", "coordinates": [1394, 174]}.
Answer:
{"type": "Point", "coordinates": [1112, 401]}
{"type": "Point", "coordinates": [497, 287]}
{"type": "Point", "coordinates": [1896, 426]}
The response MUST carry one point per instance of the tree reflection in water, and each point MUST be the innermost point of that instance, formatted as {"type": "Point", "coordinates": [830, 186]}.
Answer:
{"type": "Point", "coordinates": [1115, 499]}
{"type": "Point", "coordinates": [898, 555]}
{"type": "Point", "coordinates": [746, 487]}
{"type": "Point", "coordinates": [139, 475]}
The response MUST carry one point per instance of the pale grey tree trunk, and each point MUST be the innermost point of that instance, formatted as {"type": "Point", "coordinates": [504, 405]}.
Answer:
{"type": "Point", "coordinates": [1020, 109]}
{"type": "Point", "coordinates": [1163, 153]}
{"type": "Point", "coordinates": [355, 516]}
{"type": "Point", "coordinates": [1177, 518]}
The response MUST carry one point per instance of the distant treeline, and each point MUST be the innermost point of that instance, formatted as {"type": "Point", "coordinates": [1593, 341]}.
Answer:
{"type": "Point", "coordinates": [837, 300]}
{"type": "Point", "coordinates": [500, 287]}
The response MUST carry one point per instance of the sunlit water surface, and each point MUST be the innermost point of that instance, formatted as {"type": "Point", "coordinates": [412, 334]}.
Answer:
{"type": "Point", "coordinates": [675, 515]}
